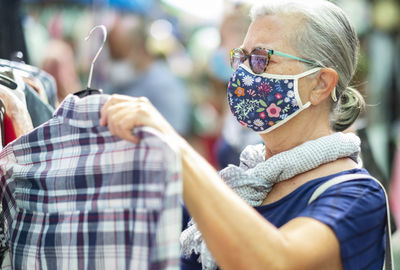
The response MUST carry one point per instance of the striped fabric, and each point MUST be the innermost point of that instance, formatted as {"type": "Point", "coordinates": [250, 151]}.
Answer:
{"type": "Point", "coordinates": [75, 197]}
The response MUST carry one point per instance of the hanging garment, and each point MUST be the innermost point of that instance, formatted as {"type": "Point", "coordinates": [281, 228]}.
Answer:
{"type": "Point", "coordinates": [35, 73]}
{"type": "Point", "coordinates": [2, 114]}
{"type": "Point", "coordinates": [76, 197]}
{"type": "Point", "coordinates": [9, 132]}
{"type": "Point", "coordinates": [39, 111]}
{"type": "Point", "coordinates": [36, 85]}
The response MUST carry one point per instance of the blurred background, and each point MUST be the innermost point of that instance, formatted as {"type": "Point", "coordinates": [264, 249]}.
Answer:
{"type": "Point", "coordinates": [176, 53]}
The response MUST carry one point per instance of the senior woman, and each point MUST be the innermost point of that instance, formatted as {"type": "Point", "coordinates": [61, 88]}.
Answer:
{"type": "Point", "coordinates": [291, 85]}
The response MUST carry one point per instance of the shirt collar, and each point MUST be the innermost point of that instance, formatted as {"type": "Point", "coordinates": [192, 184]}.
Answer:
{"type": "Point", "coordinates": [82, 112]}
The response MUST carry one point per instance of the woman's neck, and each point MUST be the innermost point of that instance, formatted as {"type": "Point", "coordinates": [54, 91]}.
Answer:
{"type": "Point", "coordinates": [304, 127]}
{"type": "Point", "coordinates": [284, 188]}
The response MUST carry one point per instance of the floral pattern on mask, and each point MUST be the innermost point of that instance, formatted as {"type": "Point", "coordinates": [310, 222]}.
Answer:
{"type": "Point", "coordinates": [258, 102]}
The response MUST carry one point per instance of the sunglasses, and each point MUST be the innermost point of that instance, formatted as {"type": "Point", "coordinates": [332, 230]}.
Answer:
{"type": "Point", "coordinates": [259, 58]}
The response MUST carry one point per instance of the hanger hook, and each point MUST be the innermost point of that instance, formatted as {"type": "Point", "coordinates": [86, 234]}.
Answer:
{"type": "Point", "coordinates": [104, 29]}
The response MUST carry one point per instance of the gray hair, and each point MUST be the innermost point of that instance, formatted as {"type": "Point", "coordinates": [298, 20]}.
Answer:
{"type": "Point", "coordinates": [327, 38]}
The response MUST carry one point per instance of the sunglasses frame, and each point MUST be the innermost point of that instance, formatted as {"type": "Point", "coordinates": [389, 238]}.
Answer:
{"type": "Point", "coordinates": [268, 56]}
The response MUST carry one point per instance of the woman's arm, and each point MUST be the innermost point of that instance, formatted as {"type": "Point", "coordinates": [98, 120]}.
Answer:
{"type": "Point", "coordinates": [237, 236]}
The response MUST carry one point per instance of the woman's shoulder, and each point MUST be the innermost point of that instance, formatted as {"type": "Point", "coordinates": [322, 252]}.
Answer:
{"type": "Point", "coordinates": [353, 191]}
{"type": "Point", "coordinates": [356, 211]}
{"type": "Point", "coordinates": [360, 195]}
{"type": "Point", "coordinates": [311, 178]}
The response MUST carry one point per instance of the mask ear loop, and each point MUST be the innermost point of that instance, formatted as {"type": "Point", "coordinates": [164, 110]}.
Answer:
{"type": "Point", "coordinates": [311, 71]}
{"type": "Point", "coordinates": [296, 89]}
{"type": "Point", "coordinates": [333, 94]}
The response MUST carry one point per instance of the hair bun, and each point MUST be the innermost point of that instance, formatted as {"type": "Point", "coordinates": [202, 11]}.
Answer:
{"type": "Point", "coordinates": [349, 106]}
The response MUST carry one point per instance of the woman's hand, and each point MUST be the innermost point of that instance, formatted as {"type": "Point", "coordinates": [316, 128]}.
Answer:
{"type": "Point", "coordinates": [17, 111]}
{"type": "Point", "coordinates": [123, 113]}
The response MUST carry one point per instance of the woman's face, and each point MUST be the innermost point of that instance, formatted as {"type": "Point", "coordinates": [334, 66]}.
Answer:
{"type": "Point", "coordinates": [274, 32]}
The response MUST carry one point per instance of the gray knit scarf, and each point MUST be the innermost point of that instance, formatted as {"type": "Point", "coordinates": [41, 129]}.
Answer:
{"type": "Point", "coordinates": [254, 177]}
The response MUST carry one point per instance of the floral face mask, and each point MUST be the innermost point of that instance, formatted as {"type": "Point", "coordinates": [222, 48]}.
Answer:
{"type": "Point", "coordinates": [265, 101]}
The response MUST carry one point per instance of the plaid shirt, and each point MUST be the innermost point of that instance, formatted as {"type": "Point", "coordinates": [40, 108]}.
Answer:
{"type": "Point", "coordinates": [75, 197]}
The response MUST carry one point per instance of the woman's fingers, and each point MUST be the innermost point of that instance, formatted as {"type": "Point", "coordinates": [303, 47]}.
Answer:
{"type": "Point", "coordinates": [103, 115]}
{"type": "Point", "coordinates": [121, 114]}
{"type": "Point", "coordinates": [116, 99]}
{"type": "Point", "coordinates": [122, 118]}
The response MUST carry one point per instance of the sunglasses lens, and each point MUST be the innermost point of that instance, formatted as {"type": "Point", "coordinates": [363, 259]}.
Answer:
{"type": "Point", "coordinates": [237, 58]}
{"type": "Point", "coordinates": [259, 60]}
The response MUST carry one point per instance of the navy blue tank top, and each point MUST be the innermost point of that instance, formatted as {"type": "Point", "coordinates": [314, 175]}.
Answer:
{"type": "Point", "coordinates": [355, 210]}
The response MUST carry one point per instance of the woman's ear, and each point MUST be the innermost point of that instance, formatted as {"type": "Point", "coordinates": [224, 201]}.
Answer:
{"type": "Point", "coordinates": [327, 81]}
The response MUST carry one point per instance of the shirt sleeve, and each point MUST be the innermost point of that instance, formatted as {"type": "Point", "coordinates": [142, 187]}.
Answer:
{"type": "Point", "coordinates": [356, 212]}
